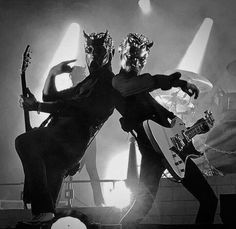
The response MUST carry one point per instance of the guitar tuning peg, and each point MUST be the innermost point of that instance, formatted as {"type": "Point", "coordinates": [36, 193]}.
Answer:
{"type": "Point", "coordinates": [208, 112]}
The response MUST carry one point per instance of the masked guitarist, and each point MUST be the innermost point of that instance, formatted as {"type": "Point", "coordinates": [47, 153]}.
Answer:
{"type": "Point", "coordinates": [136, 105]}
{"type": "Point", "coordinates": [79, 112]}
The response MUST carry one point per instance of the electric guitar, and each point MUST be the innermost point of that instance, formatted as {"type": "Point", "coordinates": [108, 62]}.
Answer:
{"type": "Point", "coordinates": [175, 141]}
{"type": "Point", "coordinates": [25, 64]}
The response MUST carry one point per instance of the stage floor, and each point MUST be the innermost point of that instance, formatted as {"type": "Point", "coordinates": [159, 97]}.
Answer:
{"type": "Point", "coordinates": [104, 217]}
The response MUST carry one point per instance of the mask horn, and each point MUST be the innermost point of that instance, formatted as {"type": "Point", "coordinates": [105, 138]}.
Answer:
{"type": "Point", "coordinates": [86, 36]}
{"type": "Point", "coordinates": [105, 35]}
{"type": "Point", "coordinates": [150, 45]}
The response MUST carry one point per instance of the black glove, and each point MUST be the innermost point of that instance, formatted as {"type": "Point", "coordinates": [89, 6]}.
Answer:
{"type": "Point", "coordinates": [73, 170]}
{"type": "Point", "coordinates": [126, 125]}
{"type": "Point", "coordinates": [167, 82]}
{"type": "Point", "coordinates": [173, 80]}
{"type": "Point", "coordinates": [189, 88]}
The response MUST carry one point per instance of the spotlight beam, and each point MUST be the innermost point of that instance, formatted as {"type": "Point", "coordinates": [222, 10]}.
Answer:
{"type": "Point", "coordinates": [67, 50]}
{"type": "Point", "coordinates": [193, 58]}
{"type": "Point", "coordinates": [145, 6]}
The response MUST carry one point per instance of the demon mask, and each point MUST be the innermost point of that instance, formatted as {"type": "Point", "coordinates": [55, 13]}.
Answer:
{"type": "Point", "coordinates": [134, 51]}
{"type": "Point", "coordinates": [99, 50]}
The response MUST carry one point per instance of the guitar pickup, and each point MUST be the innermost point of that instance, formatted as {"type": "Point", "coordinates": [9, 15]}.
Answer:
{"type": "Point", "coordinates": [178, 162]}
{"type": "Point", "coordinates": [177, 142]}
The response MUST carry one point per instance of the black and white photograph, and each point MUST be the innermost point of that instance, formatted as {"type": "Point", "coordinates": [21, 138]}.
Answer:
{"type": "Point", "coordinates": [117, 114]}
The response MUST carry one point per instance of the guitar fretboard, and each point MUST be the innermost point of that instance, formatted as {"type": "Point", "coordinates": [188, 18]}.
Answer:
{"type": "Point", "coordinates": [195, 129]}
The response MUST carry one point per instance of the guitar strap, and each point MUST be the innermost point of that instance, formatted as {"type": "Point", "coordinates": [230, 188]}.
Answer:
{"type": "Point", "coordinates": [161, 115]}
{"type": "Point", "coordinates": [46, 121]}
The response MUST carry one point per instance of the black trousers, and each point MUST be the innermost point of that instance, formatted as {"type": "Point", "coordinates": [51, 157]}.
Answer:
{"type": "Point", "coordinates": [46, 155]}
{"type": "Point", "coordinates": [152, 168]}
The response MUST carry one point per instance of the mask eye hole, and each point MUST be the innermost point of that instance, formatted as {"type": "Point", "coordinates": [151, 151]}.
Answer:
{"type": "Point", "coordinates": [89, 49]}
{"type": "Point", "coordinates": [142, 59]}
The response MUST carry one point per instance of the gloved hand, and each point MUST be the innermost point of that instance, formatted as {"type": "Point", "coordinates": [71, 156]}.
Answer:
{"type": "Point", "coordinates": [173, 80]}
{"type": "Point", "coordinates": [189, 88]}
{"type": "Point", "coordinates": [166, 82]}
{"type": "Point", "coordinates": [29, 102]}
{"type": "Point", "coordinates": [62, 67]}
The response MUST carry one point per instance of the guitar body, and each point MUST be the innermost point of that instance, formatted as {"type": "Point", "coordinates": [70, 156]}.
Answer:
{"type": "Point", "coordinates": [176, 142]}
{"type": "Point", "coordinates": [161, 136]}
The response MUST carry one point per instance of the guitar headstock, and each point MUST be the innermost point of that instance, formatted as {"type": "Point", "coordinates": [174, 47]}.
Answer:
{"type": "Point", "coordinates": [202, 126]}
{"type": "Point", "coordinates": [209, 118]}
{"type": "Point", "coordinates": [26, 59]}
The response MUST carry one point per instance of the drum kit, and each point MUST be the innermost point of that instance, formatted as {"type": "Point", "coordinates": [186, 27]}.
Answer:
{"type": "Point", "coordinates": [179, 102]}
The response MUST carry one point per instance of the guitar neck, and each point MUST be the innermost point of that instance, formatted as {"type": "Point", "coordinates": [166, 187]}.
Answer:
{"type": "Point", "coordinates": [27, 121]}
{"type": "Point", "coordinates": [194, 130]}
{"type": "Point", "coordinates": [24, 93]}
{"type": "Point", "coordinates": [23, 84]}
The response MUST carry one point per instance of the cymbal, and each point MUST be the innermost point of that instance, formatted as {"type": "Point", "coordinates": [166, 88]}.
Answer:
{"type": "Point", "coordinates": [180, 102]}
{"type": "Point", "coordinates": [203, 84]}
{"type": "Point", "coordinates": [184, 109]}
{"type": "Point", "coordinates": [164, 100]}
{"type": "Point", "coordinates": [231, 68]}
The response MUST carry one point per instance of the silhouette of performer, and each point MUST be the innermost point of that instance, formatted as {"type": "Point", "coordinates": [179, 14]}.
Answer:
{"type": "Point", "coordinates": [78, 113]}
{"type": "Point", "coordinates": [89, 158]}
{"type": "Point", "coordinates": [138, 105]}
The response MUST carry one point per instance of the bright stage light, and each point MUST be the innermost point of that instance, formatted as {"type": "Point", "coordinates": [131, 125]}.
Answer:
{"type": "Point", "coordinates": [67, 50]}
{"type": "Point", "coordinates": [118, 195]}
{"type": "Point", "coordinates": [68, 222]}
{"type": "Point", "coordinates": [193, 58]}
{"type": "Point", "coordinates": [117, 166]}
{"type": "Point", "coordinates": [117, 170]}
{"type": "Point", "coordinates": [145, 6]}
